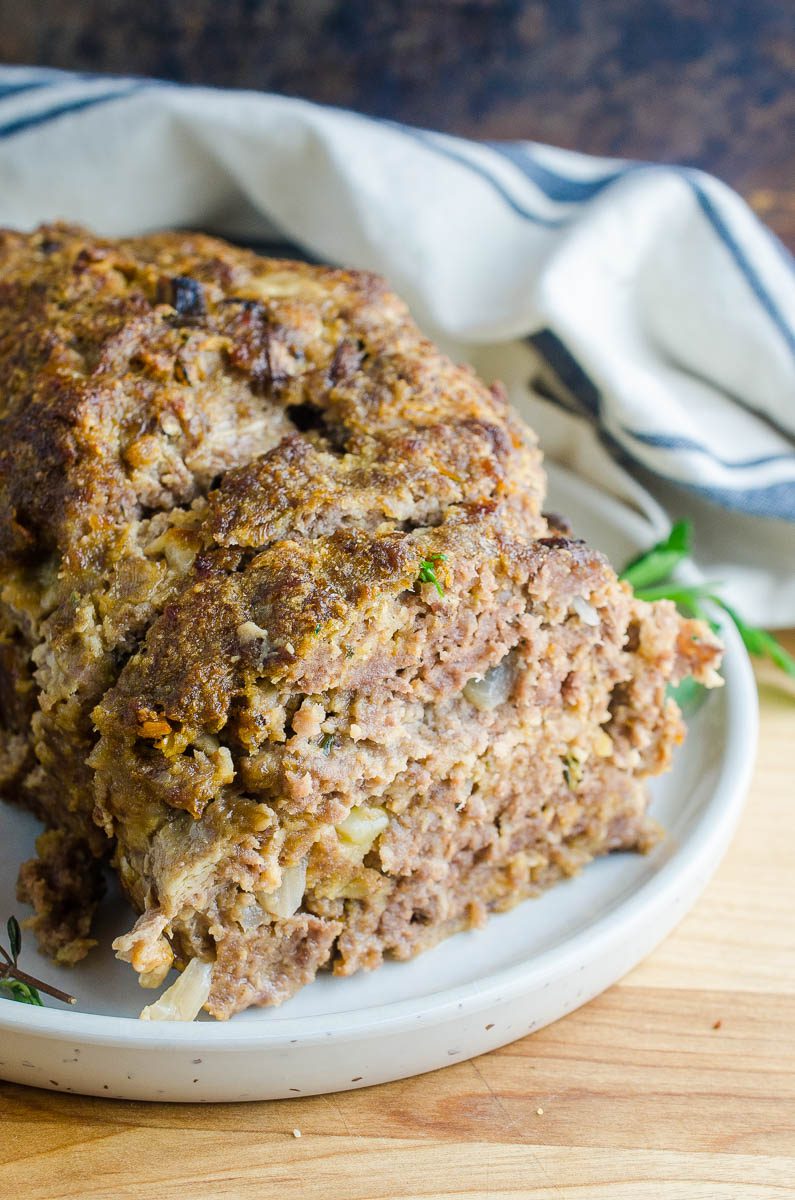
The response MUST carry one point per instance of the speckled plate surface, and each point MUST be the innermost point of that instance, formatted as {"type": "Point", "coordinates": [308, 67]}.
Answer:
{"type": "Point", "coordinates": [474, 992]}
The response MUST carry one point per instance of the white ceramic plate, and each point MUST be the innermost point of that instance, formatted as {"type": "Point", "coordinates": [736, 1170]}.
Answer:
{"type": "Point", "coordinates": [476, 991]}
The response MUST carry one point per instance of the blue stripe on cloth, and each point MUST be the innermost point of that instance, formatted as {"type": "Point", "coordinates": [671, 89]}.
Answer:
{"type": "Point", "coordinates": [7, 90]}
{"type": "Point", "coordinates": [10, 128]}
{"type": "Point", "coordinates": [569, 190]}
{"type": "Point", "coordinates": [772, 500]}
{"type": "Point", "coordinates": [664, 442]}
{"type": "Point", "coordinates": [271, 247]}
{"type": "Point", "coordinates": [426, 138]}
{"type": "Point", "coordinates": [563, 189]}
{"type": "Point", "coordinates": [775, 501]}
{"type": "Point", "coordinates": [568, 370]}
{"type": "Point", "coordinates": [743, 262]}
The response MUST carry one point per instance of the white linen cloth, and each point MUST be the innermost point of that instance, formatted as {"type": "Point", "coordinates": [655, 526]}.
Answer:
{"type": "Point", "coordinates": [658, 311]}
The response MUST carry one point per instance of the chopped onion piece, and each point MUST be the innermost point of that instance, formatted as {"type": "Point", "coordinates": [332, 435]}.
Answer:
{"type": "Point", "coordinates": [287, 898]}
{"type": "Point", "coordinates": [249, 631]}
{"type": "Point", "coordinates": [585, 611]}
{"type": "Point", "coordinates": [362, 826]}
{"type": "Point", "coordinates": [183, 1001]}
{"type": "Point", "coordinates": [179, 556]}
{"type": "Point", "coordinates": [207, 743]}
{"type": "Point", "coordinates": [494, 688]}
{"type": "Point", "coordinates": [154, 978]}
{"type": "Point", "coordinates": [252, 916]}
{"type": "Point", "coordinates": [602, 744]}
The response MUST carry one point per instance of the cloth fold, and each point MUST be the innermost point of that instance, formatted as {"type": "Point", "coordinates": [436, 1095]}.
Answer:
{"type": "Point", "coordinates": [640, 314]}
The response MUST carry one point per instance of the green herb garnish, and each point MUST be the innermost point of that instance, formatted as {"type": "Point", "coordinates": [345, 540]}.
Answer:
{"type": "Point", "coordinates": [688, 694]}
{"type": "Point", "coordinates": [572, 771]}
{"type": "Point", "coordinates": [427, 571]}
{"type": "Point", "coordinates": [14, 937]}
{"type": "Point", "coordinates": [759, 642]}
{"type": "Point", "coordinates": [16, 984]}
{"type": "Point", "coordinates": [658, 564]}
{"type": "Point", "coordinates": [23, 993]}
{"type": "Point", "coordinates": [650, 576]}
{"type": "Point", "coordinates": [327, 743]}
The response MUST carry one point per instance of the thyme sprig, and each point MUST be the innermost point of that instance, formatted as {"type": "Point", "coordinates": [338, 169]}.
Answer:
{"type": "Point", "coordinates": [16, 983]}
{"type": "Point", "coordinates": [650, 574]}
{"type": "Point", "coordinates": [659, 563]}
{"type": "Point", "coordinates": [427, 571]}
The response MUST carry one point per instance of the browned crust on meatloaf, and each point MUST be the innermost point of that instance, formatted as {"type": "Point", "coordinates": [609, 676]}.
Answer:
{"type": "Point", "coordinates": [220, 477]}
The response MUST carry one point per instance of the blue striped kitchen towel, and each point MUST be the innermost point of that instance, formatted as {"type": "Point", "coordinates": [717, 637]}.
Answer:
{"type": "Point", "coordinates": [653, 312]}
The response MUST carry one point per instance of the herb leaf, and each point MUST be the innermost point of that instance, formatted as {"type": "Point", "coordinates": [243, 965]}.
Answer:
{"type": "Point", "coordinates": [23, 993]}
{"type": "Point", "coordinates": [572, 771]}
{"type": "Point", "coordinates": [658, 563]}
{"type": "Point", "coordinates": [427, 571]}
{"type": "Point", "coordinates": [17, 984]}
{"type": "Point", "coordinates": [688, 694]}
{"type": "Point", "coordinates": [686, 595]}
{"type": "Point", "coordinates": [759, 642]}
{"type": "Point", "coordinates": [649, 574]}
{"type": "Point", "coordinates": [14, 937]}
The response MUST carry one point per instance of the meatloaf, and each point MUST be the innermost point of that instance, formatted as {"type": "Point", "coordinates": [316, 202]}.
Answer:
{"type": "Point", "coordinates": [285, 636]}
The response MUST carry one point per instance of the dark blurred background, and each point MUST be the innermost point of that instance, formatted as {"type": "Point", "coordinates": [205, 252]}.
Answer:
{"type": "Point", "coordinates": [703, 82]}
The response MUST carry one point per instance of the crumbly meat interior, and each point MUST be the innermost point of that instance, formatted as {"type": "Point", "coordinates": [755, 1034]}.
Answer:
{"type": "Point", "coordinates": [284, 633]}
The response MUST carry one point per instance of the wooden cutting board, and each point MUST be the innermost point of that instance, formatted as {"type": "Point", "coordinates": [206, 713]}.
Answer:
{"type": "Point", "coordinates": [677, 1084]}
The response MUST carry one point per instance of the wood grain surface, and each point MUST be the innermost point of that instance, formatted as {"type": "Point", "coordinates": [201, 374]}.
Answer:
{"type": "Point", "coordinates": [677, 1084]}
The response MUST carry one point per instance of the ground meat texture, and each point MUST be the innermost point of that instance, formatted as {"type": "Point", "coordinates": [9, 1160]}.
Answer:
{"type": "Point", "coordinates": [284, 634]}
{"type": "Point", "coordinates": [64, 884]}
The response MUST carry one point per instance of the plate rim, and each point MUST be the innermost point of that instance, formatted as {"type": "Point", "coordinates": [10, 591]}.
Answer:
{"type": "Point", "coordinates": [696, 857]}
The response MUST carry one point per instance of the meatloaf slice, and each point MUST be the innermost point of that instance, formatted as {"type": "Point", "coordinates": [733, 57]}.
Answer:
{"type": "Point", "coordinates": [283, 631]}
